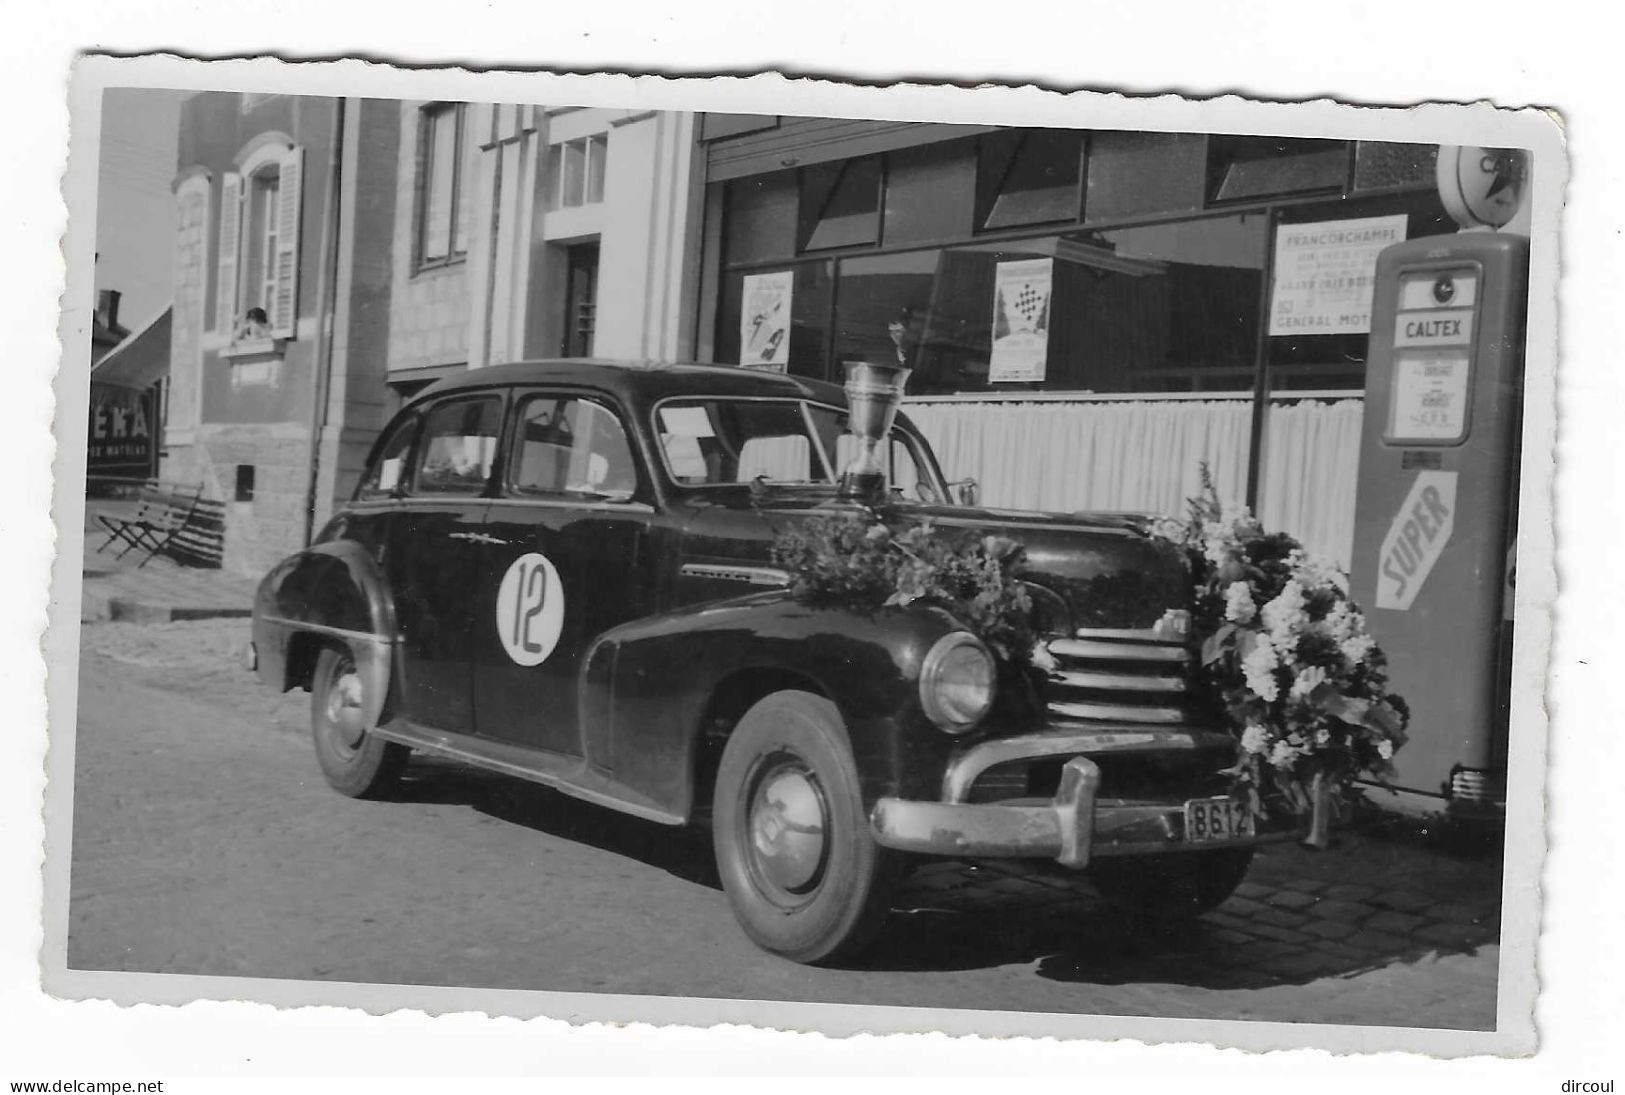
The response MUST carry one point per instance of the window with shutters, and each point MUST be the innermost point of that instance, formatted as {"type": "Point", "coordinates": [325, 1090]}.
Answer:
{"type": "Point", "coordinates": [442, 220]}
{"type": "Point", "coordinates": [257, 294]}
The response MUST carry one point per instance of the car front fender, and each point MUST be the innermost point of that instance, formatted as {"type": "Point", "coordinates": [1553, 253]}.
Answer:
{"type": "Point", "coordinates": [652, 689]}
{"type": "Point", "coordinates": [332, 592]}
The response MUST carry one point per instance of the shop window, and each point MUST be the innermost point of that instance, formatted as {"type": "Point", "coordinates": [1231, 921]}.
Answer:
{"type": "Point", "coordinates": [840, 204]}
{"type": "Point", "coordinates": [1303, 360]}
{"type": "Point", "coordinates": [577, 174]}
{"type": "Point", "coordinates": [930, 193]}
{"type": "Point", "coordinates": [761, 218]}
{"type": "Point", "coordinates": [1160, 308]}
{"type": "Point", "coordinates": [459, 444]}
{"type": "Point", "coordinates": [1028, 177]}
{"type": "Point", "coordinates": [1243, 168]}
{"type": "Point", "coordinates": [810, 289]}
{"type": "Point", "coordinates": [257, 295]}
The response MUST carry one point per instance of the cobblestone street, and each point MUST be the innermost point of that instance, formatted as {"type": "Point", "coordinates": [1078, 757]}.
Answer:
{"type": "Point", "coordinates": [206, 842]}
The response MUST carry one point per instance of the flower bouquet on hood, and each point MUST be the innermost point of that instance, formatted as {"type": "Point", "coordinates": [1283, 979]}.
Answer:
{"type": "Point", "coordinates": [1287, 663]}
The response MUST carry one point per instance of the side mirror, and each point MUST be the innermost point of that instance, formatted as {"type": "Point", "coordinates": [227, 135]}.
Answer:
{"type": "Point", "coordinates": [965, 492]}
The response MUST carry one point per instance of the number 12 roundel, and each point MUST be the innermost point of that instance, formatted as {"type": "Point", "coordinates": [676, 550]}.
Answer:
{"type": "Point", "coordinates": [530, 609]}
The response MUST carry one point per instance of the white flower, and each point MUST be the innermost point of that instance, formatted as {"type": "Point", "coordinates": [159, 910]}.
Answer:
{"type": "Point", "coordinates": [1238, 603]}
{"type": "Point", "coordinates": [1318, 572]}
{"type": "Point", "coordinates": [1255, 739]}
{"type": "Point", "coordinates": [1307, 680]}
{"type": "Point", "coordinates": [1284, 617]}
{"type": "Point", "coordinates": [1342, 622]}
{"type": "Point", "coordinates": [1323, 736]}
{"type": "Point", "coordinates": [1283, 755]}
{"type": "Point", "coordinates": [1259, 669]}
{"type": "Point", "coordinates": [1356, 647]}
{"type": "Point", "coordinates": [1385, 749]}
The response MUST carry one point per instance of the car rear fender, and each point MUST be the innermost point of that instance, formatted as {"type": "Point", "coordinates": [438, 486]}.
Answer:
{"type": "Point", "coordinates": [332, 593]}
{"type": "Point", "coordinates": [656, 691]}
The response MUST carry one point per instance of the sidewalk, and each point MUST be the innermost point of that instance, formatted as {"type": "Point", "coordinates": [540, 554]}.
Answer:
{"type": "Point", "coordinates": [121, 589]}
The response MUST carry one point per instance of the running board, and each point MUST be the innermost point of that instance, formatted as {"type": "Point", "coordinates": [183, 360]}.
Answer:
{"type": "Point", "coordinates": [569, 775]}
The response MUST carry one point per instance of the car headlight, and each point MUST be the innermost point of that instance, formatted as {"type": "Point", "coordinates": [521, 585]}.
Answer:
{"type": "Point", "coordinates": [957, 682]}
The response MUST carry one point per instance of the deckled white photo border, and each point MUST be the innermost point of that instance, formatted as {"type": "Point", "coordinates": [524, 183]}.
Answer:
{"type": "Point", "coordinates": [1536, 587]}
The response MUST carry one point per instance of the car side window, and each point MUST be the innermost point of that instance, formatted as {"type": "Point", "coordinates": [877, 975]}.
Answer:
{"type": "Point", "coordinates": [459, 446]}
{"type": "Point", "coordinates": [567, 447]}
{"type": "Point", "coordinates": [385, 476]}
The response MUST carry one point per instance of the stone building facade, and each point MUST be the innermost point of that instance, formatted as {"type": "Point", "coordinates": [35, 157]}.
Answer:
{"type": "Point", "coordinates": [335, 256]}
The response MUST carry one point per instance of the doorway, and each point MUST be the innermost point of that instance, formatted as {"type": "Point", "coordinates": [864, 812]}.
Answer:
{"type": "Point", "coordinates": [580, 299]}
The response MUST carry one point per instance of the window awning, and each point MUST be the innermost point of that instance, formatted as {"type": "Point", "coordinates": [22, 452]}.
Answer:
{"type": "Point", "coordinates": [141, 360]}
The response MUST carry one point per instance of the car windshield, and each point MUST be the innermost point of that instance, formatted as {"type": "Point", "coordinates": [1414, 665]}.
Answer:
{"type": "Point", "coordinates": [716, 442]}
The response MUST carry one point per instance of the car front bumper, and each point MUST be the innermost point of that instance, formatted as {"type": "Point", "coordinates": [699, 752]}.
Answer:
{"type": "Point", "coordinates": [1074, 827]}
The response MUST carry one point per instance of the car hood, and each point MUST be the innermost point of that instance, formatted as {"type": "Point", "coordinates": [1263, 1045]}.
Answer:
{"type": "Point", "coordinates": [1106, 567]}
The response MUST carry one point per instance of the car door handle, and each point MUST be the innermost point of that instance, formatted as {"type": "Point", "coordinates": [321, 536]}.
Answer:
{"type": "Point", "coordinates": [476, 538]}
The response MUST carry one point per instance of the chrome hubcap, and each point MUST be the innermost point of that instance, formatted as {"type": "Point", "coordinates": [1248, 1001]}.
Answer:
{"type": "Point", "coordinates": [787, 824]}
{"type": "Point", "coordinates": [344, 708]}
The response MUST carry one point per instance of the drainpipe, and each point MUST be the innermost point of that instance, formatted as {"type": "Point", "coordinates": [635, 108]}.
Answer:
{"type": "Point", "coordinates": [327, 307]}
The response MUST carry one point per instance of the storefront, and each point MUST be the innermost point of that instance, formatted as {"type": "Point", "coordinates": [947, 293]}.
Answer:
{"type": "Point", "coordinates": [1089, 315]}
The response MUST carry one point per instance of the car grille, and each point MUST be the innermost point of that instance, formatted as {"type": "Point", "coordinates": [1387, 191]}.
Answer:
{"type": "Point", "coordinates": [1119, 675]}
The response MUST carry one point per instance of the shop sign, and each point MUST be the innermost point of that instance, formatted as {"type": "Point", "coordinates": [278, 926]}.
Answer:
{"type": "Point", "coordinates": [121, 433]}
{"type": "Point", "coordinates": [1452, 328]}
{"type": "Point", "coordinates": [764, 320]}
{"type": "Point", "coordinates": [1482, 187]}
{"type": "Point", "coordinates": [1021, 297]}
{"type": "Point", "coordinates": [1325, 273]}
{"type": "Point", "coordinates": [1416, 539]}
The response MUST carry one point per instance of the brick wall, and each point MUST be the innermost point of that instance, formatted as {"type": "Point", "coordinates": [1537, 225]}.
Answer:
{"type": "Point", "coordinates": [262, 531]}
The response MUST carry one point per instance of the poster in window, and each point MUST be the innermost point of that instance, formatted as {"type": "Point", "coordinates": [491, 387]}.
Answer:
{"type": "Point", "coordinates": [1021, 296]}
{"type": "Point", "coordinates": [764, 320]}
{"type": "Point", "coordinates": [1324, 274]}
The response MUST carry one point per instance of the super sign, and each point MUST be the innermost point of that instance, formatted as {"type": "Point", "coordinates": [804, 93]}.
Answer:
{"type": "Point", "coordinates": [1416, 539]}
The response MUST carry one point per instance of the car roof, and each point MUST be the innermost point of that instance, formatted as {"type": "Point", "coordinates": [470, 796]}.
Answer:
{"type": "Point", "coordinates": [642, 381]}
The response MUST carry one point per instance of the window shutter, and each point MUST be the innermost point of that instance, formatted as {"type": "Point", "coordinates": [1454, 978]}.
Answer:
{"type": "Point", "coordinates": [231, 234]}
{"type": "Point", "coordinates": [290, 198]}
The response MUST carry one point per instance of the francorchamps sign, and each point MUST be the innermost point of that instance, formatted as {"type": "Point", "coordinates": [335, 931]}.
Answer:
{"type": "Point", "coordinates": [1324, 274]}
{"type": "Point", "coordinates": [1416, 539]}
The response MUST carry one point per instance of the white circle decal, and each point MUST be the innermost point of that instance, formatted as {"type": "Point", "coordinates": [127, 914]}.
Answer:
{"type": "Point", "coordinates": [530, 609]}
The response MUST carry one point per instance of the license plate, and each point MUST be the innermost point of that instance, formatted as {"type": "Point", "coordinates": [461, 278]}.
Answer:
{"type": "Point", "coordinates": [1211, 819]}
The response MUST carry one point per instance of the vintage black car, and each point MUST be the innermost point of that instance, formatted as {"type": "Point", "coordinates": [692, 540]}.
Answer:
{"type": "Point", "coordinates": [562, 571]}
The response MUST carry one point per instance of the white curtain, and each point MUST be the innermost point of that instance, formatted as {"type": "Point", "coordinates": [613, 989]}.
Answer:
{"type": "Point", "coordinates": [1311, 465]}
{"type": "Point", "coordinates": [1143, 456]}
{"type": "Point", "coordinates": [1125, 456]}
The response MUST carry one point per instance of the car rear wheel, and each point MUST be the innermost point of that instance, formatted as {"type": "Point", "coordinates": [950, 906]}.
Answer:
{"type": "Point", "coordinates": [1169, 891]}
{"type": "Point", "coordinates": [801, 871]}
{"type": "Point", "coordinates": [355, 761]}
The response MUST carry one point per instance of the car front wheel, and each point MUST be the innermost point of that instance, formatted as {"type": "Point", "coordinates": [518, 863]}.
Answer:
{"type": "Point", "coordinates": [356, 762]}
{"type": "Point", "coordinates": [801, 871]}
